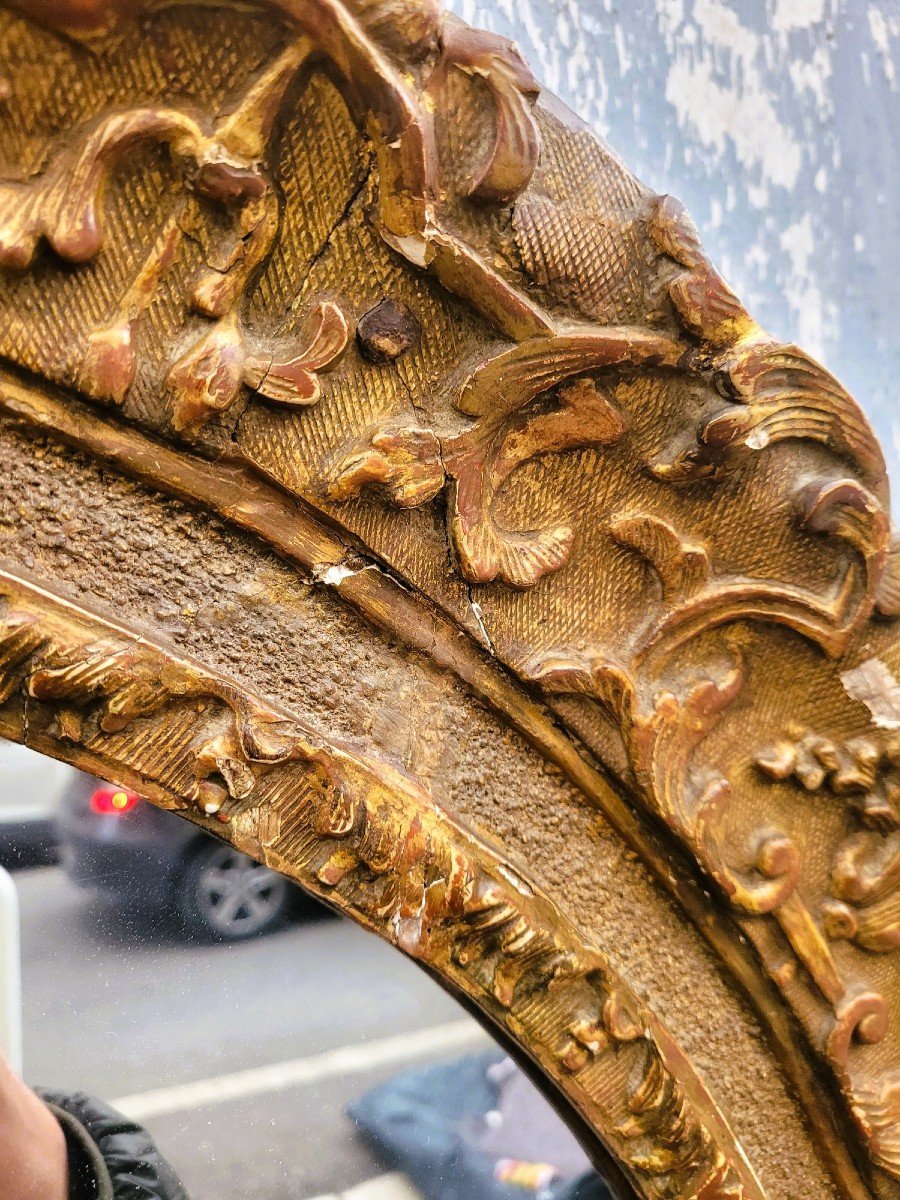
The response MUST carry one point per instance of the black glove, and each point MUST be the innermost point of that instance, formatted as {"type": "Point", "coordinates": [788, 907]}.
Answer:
{"type": "Point", "coordinates": [110, 1157]}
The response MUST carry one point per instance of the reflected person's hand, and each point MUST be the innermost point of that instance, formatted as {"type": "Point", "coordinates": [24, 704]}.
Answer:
{"type": "Point", "coordinates": [33, 1158]}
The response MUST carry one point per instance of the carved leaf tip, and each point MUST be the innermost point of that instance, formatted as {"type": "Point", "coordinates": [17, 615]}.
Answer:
{"type": "Point", "coordinates": [411, 28]}
{"type": "Point", "coordinates": [887, 599]}
{"type": "Point", "coordinates": [682, 565]}
{"type": "Point", "coordinates": [109, 364]}
{"type": "Point", "coordinates": [514, 154]}
{"type": "Point", "coordinates": [19, 227]}
{"type": "Point", "coordinates": [702, 298]}
{"type": "Point", "coordinates": [206, 380]}
{"type": "Point", "coordinates": [879, 1114]}
{"type": "Point", "coordinates": [295, 381]}
{"type": "Point", "coordinates": [588, 673]}
{"type": "Point", "coordinates": [406, 463]}
{"type": "Point", "coordinates": [486, 552]}
{"type": "Point", "coordinates": [51, 207]}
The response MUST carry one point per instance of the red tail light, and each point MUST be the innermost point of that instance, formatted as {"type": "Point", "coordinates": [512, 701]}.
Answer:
{"type": "Point", "coordinates": [113, 800]}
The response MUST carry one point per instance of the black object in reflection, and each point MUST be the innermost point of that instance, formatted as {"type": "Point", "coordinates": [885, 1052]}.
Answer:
{"type": "Point", "coordinates": [476, 1129]}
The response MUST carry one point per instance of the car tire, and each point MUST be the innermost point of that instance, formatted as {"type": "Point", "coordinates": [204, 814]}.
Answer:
{"type": "Point", "coordinates": [225, 896]}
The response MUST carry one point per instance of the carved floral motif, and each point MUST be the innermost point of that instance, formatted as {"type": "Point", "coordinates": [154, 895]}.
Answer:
{"type": "Point", "coordinates": [779, 393]}
{"type": "Point", "coordinates": [863, 770]}
{"type": "Point", "coordinates": [207, 379]}
{"type": "Point", "coordinates": [225, 165]}
{"type": "Point", "coordinates": [509, 429]}
{"type": "Point", "coordinates": [661, 732]}
{"type": "Point", "coordinates": [864, 905]}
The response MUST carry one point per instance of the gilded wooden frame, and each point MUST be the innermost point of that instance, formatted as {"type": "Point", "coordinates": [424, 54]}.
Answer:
{"type": "Point", "coordinates": [335, 284]}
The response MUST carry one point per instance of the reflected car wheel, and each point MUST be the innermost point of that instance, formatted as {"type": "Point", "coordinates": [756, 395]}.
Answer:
{"type": "Point", "coordinates": [227, 896]}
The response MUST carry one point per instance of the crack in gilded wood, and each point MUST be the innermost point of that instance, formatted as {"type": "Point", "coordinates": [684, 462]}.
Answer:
{"type": "Point", "coordinates": [236, 493]}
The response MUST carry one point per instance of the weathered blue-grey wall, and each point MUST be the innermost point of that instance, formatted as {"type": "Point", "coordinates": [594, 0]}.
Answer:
{"type": "Point", "coordinates": [777, 122]}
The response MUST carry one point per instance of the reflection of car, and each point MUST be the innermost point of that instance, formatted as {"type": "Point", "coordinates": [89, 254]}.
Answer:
{"type": "Point", "coordinates": [113, 841]}
{"type": "Point", "coordinates": [30, 787]}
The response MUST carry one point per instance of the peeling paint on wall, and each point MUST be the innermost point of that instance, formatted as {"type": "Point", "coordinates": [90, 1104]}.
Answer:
{"type": "Point", "coordinates": [885, 32]}
{"type": "Point", "coordinates": [776, 121]}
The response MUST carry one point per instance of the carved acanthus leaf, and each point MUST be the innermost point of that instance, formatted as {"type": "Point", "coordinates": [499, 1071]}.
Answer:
{"type": "Point", "coordinates": [609, 682]}
{"type": "Point", "coordinates": [506, 382]}
{"type": "Point", "coordinates": [538, 398]}
{"type": "Point", "coordinates": [64, 204]}
{"type": "Point", "coordinates": [405, 462]}
{"type": "Point", "coordinates": [20, 639]}
{"type": "Point", "coordinates": [661, 738]}
{"type": "Point", "coordinates": [786, 394]}
{"type": "Point", "coordinates": [829, 622]}
{"type": "Point", "coordinates": [486, 551]}
{"type": "Point", "coordinates": [482, 461]}
{"type": "Point", "coordinates": [780, 394]}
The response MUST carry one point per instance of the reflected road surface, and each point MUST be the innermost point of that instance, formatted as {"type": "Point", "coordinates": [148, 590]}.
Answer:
{"type": "Point", "coordinates": [122, 1010]}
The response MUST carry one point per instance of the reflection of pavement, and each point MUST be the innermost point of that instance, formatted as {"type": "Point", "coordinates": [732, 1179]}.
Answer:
{"type": "Point", "coordinates": [393, 1186]}
{"type": "Point", "coordinates": [138, 1015]}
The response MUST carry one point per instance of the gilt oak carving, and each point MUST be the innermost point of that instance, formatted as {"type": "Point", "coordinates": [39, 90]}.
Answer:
{"type": "Point", "coordinates": [375, 440]}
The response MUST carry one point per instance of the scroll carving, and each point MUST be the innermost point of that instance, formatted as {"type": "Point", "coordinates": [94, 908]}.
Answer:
{"type": "Point", "coordinates": [414, 464]}
{"type": "Point", "coordinates": [661, 737]}
{"type": "Point", "coordinates": [365, 837]}
{"type": "Point", "coordinates": [513, 156]}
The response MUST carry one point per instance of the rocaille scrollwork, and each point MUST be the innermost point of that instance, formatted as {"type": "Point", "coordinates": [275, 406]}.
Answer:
{"type": "Point", "coordinates": [359, 830]}
{"type": "Point", "coordinates": [605, 337]}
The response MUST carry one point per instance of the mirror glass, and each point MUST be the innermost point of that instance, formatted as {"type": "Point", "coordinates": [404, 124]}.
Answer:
{"type": "Point", "coordinates": [273, 1049]}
